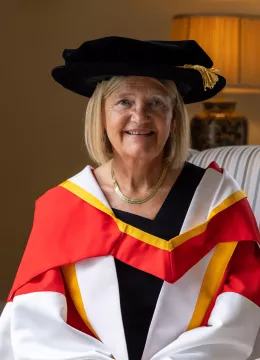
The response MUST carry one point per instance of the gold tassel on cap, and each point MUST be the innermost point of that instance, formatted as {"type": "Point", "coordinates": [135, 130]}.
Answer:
{"type": "Point", "coordinates": [209, 76]}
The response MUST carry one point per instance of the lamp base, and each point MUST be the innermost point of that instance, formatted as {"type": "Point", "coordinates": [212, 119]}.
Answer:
{"type": "Point", "coordinates": [218, 125]}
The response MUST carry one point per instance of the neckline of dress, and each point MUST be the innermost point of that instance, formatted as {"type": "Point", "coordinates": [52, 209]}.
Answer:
{"type": "Point", "coordinates": [172, 190]}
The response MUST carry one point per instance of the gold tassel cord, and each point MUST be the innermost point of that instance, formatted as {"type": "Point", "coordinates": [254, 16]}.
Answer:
{"type": "Point", "coordinates": [209, 76]}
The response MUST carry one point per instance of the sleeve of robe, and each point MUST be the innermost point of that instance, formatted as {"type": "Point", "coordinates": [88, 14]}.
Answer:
{"type": "Point", "coordinates": [36, 325]}
{"type": "Point", "coordinates": [39, 321]}
{"type": "Point", "coordinates": [232, 324]}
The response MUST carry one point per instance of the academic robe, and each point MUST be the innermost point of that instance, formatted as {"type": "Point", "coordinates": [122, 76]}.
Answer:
{"type": "Point", "coordinates": [65, 300]}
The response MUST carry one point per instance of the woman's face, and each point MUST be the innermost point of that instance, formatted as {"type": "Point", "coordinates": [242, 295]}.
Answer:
{"type": "Point", "coordinates": [138, 118]}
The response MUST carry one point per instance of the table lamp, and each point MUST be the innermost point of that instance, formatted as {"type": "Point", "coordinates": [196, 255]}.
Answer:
{"type": "Point", "coordinates": [234, 45]}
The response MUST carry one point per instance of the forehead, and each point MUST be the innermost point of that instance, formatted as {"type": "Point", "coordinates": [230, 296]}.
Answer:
{"type": "Point", "coordinates": [137, 84]}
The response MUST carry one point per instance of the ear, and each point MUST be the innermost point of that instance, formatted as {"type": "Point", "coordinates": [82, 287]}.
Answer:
{"type": "Point", "coordinates": [173, 124]}
{"type": "Point", "coordinates": [103, 115]}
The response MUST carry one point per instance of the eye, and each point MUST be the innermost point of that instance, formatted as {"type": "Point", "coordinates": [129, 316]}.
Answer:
{"type": "Point", "coordinates": [124, 102]}
{"type": "Point", "coordinates": [157, 102]}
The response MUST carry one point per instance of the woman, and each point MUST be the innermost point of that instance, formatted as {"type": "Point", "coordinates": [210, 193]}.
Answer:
{"type": "Point", "coordinates": [146, 256]}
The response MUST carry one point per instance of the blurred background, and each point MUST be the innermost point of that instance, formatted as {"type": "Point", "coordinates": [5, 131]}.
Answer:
{"type": "Point", "coordinates": [42, 123]}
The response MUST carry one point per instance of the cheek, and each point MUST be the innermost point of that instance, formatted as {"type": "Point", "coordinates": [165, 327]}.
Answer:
{"type": "Point", "coordinates": [112, 119]}
{"type": "Point", "coordinates": [164, 125]}
{"type": "Point", "coordinates": [115, 125]}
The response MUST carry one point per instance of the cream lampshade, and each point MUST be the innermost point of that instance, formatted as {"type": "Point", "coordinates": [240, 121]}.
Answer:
{"type": "Point", "coordinates": [233, 43]}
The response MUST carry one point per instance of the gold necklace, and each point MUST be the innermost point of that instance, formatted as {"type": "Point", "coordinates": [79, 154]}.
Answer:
{"type": "Point", "coordinates": [140, 200]}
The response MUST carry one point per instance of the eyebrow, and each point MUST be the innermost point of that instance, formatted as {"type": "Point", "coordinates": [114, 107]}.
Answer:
{"type": "Point", "coordinates": [125, 94]}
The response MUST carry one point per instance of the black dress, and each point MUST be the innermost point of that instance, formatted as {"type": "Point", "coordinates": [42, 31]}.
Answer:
{"type": "Point", "coordinates": [139, 290]}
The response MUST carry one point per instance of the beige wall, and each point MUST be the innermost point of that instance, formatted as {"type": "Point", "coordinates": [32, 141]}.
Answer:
{"type": "Point", "coordinates": [42, 124]}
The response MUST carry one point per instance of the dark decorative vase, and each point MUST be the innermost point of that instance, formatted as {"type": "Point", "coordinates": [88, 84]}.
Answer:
{"type": "Point", "coordinates": [218, 125]}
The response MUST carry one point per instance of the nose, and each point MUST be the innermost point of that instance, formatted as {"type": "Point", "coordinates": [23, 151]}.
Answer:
{"type": "Point", "coordinates": [140, 113]}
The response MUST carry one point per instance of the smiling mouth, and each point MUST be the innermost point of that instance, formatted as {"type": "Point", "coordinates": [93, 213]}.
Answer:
{"type": "Point", "coordinates": [144, 133]}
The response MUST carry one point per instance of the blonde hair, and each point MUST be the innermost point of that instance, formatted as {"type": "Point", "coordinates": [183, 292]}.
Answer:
{"type": "Point", "coordinates": [99, 146]}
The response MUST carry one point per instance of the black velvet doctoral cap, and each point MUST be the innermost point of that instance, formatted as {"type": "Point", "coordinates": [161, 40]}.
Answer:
{"type": "Point", "coordinates": [184, 62]}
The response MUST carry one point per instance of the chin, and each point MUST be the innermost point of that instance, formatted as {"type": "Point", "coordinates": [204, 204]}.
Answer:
{"type": "Point", "coordinates": [139, 154]}
{"type": "Point", "coordinates": [139, 151]}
